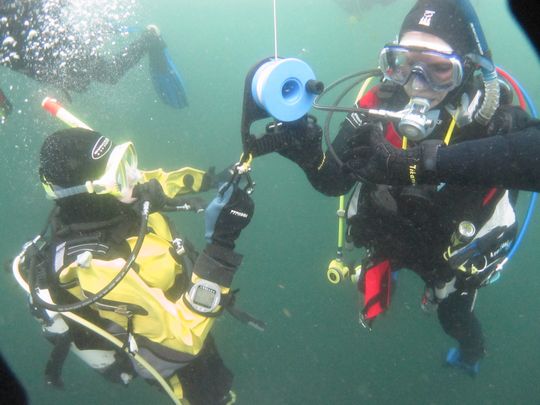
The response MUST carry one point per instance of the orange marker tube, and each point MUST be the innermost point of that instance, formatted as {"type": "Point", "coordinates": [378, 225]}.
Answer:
{"type": "Point", "coordinates": [56, 110]}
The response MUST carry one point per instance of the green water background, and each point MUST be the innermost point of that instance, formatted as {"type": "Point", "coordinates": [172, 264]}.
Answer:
{"type": "Point", "coordinates": [313, 351]}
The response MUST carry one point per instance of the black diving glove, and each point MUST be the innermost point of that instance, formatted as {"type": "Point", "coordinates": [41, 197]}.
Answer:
{"type": "Point", "coordinates": [506, 119]}
{"type": "Point", "coordinates": [152, 192]}
{"type": "Point", "coordinates": [352, 144]}
{"type": "Point", "coordinates": [303, 141]}
{"type": "Point", "coordinates": [226, 215]}
{"type": "Point", "coordinates": [388, 164]}
{"type": "Point", "coordinates": [212, 180]}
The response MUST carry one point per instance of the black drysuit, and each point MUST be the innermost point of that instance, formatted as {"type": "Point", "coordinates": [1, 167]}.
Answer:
{"type": "Point", "coordinates": [35, 42]}
{"type": "Point", "coordinates": [413, 226]}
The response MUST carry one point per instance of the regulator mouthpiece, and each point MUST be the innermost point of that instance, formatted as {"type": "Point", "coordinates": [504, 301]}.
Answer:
{"type": "Point", "coordinates": [415, 123]}
{"type": "Point", "coordinates": [285, 88]}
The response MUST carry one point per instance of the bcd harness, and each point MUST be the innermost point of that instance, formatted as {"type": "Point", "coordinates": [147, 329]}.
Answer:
{"type": "Point", "coordinates": [79, 243]}
{"type": "Point", "coordinates": [476, 260]}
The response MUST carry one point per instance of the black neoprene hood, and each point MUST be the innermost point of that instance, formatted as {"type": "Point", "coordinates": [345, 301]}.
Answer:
{"type": "Point", "coordinates": [454, 21]}
{"type": "Point", "coordinates": [73, 156]}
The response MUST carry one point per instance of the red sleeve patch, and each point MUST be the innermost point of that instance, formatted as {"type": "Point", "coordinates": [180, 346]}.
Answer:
{"type": "Point", "coordinates": [370, 99]}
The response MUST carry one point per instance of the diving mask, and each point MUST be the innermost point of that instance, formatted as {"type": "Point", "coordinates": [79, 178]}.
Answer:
{"type": "Point", "coordinates": [121, 176]}
{"type": "Point", "coordinates": [442, 71]}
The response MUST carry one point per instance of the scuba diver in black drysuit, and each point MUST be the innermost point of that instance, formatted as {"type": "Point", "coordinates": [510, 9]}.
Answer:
{"type": "Point", "coordinates": [455, 237]}
{"type": "Point", "coordinates": [32, 43]}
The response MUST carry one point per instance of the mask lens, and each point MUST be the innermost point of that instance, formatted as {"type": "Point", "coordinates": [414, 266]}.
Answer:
{"type": "Point", "coordinates": [438, 69]}
{"type": "Point", "coordinates": [128, 174]}
{"type": "Point", "coordinates": [394, 64]}
{"type": "Point", "coordinates": [130, 157]}
{"type": "Point", "coordinates": [117, 179]}
{"type": "Point", "coordinates": [121, 178]}
{"type": "Point", "coordinates": [441, 71]}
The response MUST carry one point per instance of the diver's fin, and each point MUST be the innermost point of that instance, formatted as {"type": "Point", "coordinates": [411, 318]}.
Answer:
{"type": "Point", "coordinates": [166, 78]}
{"type": "Point", "coordinates": [453, 359]}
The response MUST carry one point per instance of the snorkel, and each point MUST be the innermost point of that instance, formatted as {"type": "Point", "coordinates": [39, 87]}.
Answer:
{"type": "Point", "coordinates": [491, 89]}
{"type": "Point", "coordinates": [478, 59]}
{"type": "Point", "coordinates": [487, 69]}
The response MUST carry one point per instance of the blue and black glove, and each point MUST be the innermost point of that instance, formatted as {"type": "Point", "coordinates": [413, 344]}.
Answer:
{"type": "Point", "coordinates": [227, 214]}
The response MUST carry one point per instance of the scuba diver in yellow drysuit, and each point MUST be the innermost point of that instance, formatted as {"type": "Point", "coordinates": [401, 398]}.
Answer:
{"type": "Point", "coordinates": [111, 258]}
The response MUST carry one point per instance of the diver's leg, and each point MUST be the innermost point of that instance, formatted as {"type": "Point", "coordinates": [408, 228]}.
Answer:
{"type": "Point", "coordinates": [206, 380]}
{"type": "Point", "coordinates": [111, 69]}
{"type": "Point", "coordinates": [457, 318]}
{"type": "Point", "coordinates": [59, 353]}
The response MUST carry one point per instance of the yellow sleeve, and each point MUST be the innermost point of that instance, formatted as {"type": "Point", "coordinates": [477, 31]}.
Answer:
{"type": "Point", "coordinates": [182, 181]}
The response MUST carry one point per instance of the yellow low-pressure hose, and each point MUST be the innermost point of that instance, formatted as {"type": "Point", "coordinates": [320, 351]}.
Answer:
{"type": "Point", "coordinates": [341, 209]}
{"type": "Point", "coordinates": [341, 222]}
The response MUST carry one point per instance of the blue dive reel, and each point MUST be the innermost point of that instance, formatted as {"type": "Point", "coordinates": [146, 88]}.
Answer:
{"type": "Point", "coordinates": [280, 88]}
{"type": "Point", "coordinates": [283, 88]}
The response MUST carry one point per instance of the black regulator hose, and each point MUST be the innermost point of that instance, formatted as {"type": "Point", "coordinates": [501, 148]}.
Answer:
{"type": "Point", "coordinates": [37, 300]}
{"type": "Point", "coordinates": [331, 109]}
{"type": "Point", "coordinates": [363, 75]}
{"type": "Point", "coordinates": [328, 119]}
